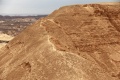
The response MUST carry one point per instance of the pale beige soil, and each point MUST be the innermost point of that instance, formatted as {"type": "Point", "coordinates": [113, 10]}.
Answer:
{"type": "Point", "coordinates": [78, 42]}
{"type": "Point", "coordinates": [2, 45]}
{"type": "Point", "coordinates": [4, 38]}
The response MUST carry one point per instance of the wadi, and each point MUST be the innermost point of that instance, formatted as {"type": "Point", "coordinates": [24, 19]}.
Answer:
{"type": "Point", "coordinates": [76, 42]}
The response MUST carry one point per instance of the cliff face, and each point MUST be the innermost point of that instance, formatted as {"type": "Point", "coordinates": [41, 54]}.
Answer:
{"type": "Point", "coordinates": [79, 42]}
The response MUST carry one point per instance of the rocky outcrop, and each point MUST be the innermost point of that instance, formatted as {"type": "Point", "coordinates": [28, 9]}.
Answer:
{"type": "Point", "coordinates": [79, 42]}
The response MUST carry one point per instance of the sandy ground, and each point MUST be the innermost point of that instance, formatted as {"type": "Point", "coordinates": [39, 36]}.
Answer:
{"type": "Point", "coordinates": [2, 44]}
{"type": "Point", "coordinates": [4, 37]}
{"type": "Point", "coordinates": [72, 43]}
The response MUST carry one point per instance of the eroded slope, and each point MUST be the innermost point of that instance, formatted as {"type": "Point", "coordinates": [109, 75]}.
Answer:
{"type": "Point", "coordinates": [79, 42]}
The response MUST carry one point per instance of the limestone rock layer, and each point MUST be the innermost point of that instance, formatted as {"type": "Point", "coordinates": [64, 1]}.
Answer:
{"type": "Point", "coordinates": [78, 42]}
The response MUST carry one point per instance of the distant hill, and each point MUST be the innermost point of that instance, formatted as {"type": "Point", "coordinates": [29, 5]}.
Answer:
{"type": "Point", "coordinates": [37, 16]}
{"type": "Point", "coordinates": [78, 42]}
{"type": "Point", "coordinates": [12, 25]}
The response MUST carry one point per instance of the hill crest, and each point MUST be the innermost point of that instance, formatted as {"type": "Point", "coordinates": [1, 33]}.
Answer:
{"type": "Point", "coordinates": [79, 42]}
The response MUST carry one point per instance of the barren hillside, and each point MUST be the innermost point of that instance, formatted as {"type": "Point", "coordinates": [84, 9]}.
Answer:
{"type": "Point", "coordinates": [78, 42]}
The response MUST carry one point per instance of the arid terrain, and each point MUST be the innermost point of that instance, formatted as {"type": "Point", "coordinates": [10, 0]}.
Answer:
{"type": "Point", "coordinates": [77, 42]}
{"type": "Point", "coordinates": [4, 39]}
{"type": "Point", "coordinates": [10, 26]}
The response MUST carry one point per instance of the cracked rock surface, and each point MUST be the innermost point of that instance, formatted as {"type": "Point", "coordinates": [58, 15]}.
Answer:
{"type": "Point", "coordinates": [78, 42]}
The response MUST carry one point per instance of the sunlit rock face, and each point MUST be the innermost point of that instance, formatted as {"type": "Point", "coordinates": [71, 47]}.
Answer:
{"type": "Point", "coordinates": [78, 42]}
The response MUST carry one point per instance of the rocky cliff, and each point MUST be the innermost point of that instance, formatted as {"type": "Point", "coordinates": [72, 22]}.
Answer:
{"type": "Point", "coordinates": [78, 42]}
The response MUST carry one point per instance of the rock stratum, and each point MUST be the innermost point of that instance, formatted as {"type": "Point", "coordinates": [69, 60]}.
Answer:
{"type": "Point", "coordinates": [78, 42]}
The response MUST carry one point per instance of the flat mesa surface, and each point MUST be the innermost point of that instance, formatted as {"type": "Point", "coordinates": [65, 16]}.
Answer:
{"type": "Point", "coordinates": [78, 42]}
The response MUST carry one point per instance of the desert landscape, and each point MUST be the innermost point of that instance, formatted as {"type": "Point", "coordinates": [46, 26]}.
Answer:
{"type": "Point", "coordinates": [11, 26]}
{"type": "Point", "coordinates": [76, 42]}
